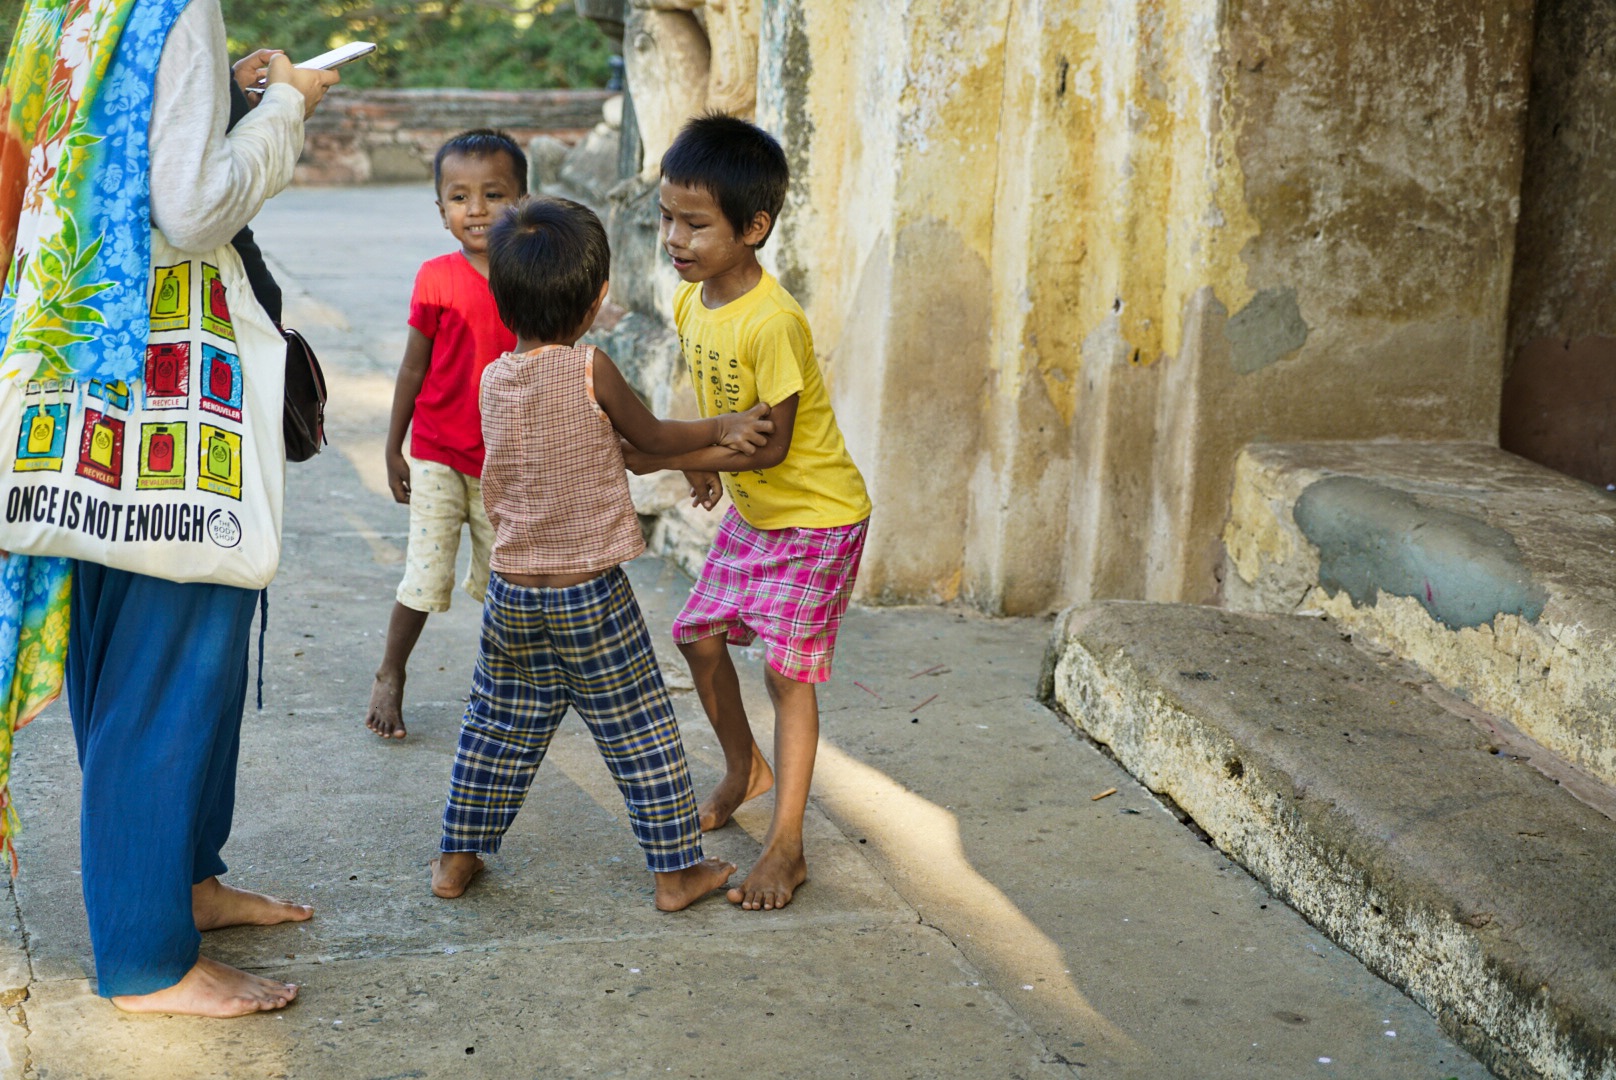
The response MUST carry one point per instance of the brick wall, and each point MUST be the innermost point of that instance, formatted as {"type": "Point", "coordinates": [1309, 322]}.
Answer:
{"type": "Point", "coordinates": [377, 136]}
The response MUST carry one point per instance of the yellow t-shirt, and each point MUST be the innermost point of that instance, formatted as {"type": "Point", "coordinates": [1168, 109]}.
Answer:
{"type": "Point", "coordinates": [758, 347]}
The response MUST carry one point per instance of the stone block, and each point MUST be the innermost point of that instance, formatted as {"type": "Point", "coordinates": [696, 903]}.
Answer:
{"type": "Point", "coordinates": [1489, 572]}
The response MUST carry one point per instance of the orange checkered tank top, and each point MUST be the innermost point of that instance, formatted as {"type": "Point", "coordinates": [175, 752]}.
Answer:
{"type": "Point", "coordinates": [554, 484]}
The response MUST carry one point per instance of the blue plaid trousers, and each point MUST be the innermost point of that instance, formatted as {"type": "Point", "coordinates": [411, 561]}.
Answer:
{"type": "Point", "coordinates": [543, 650]}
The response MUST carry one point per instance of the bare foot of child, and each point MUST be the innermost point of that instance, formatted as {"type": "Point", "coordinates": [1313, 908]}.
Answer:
{"type": "Point", "coordinates": [213, 989]}
{"type": "Point", "coordinates": [732, 791]}
{"type": "Point", "coordinates": [773, 880]}
{"type": "Point", "coordinates": [386, 714]}
{"type": "Point", "coordinates": [453, 871]}
{"type": "Point", "coordinates": [678, 889]}
{"type": "Point", "coordinates": [215, 905]}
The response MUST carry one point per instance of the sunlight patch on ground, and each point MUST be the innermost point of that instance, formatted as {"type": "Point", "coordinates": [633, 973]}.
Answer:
{"type": "Point", "coordinates": [922, 841]}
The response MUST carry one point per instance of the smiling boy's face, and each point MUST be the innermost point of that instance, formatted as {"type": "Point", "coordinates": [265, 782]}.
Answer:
{"type": "Point", "coordinates": [472, 190]}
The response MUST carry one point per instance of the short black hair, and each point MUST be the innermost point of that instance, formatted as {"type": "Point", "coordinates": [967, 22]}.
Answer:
{"type": "Point", "coordinates": [547, 259]}
{"type": "Point", "coordinates": [740, 163]}
{"type": "Point", "coordinates": [481, 142]}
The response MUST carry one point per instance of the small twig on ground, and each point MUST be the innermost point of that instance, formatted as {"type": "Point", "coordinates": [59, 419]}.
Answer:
{"type": "Point", "coordinates": [923, 704]}
{"type": "Point", "coordinates": [935, 669]}
{"type": "Point", "coordinates": [867, 690]}
{"type": "Point", "coordinates": [1103, 794]}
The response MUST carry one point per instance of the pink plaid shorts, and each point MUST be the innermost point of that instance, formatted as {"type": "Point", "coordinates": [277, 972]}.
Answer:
{"type": "Point", "coordinates": [788, 586]}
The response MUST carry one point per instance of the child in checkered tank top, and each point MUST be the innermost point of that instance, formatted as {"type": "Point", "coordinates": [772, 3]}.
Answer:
{"type": "Point", "coordinates": [783, 564]}
{"type": "Point", "coordinates": [561, 626]}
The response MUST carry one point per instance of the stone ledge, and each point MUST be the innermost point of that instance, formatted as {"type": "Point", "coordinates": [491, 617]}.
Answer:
{"type": "Point", "coordinates": [1491, 573]}
{"type": "Point", "coordinates": [1463, 876]}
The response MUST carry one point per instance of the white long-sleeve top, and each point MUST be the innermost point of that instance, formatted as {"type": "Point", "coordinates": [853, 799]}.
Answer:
{"type": "Point", "coordinates": [206, 183]}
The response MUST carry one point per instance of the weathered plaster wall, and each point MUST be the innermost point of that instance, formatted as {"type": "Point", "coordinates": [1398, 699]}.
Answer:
{"type": "Point", "coordinates": [1559, 401]}
{"type": "Point", "coordinates": [1064, 259]}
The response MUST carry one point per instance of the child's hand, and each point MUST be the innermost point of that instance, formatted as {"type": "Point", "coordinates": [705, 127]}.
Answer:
{"type": "Point", "coordinates": [745, 432]}
{"type": "Point", "coordinates": [398, 476]}
{"type": "Point", "coordinates": [705, 489]}
{"type": "Point", "coordinates": [634, 460]}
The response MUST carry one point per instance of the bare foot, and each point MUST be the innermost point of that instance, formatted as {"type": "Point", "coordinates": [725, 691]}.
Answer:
{"type": "Point", "coordinates": [215, 904]}
{"type": "Point", "coordinates": [678, 889]}
{"type": "Point", "coordinates": [772, 881]}
{"type": "Point", "coordinates": [213, 989]}
{"type": "Point", "coordinates": [453, 871]}
{"type": "Point", "coordinates": [732, 791]}
{"type": "Point", "coordinates": [386, 714]}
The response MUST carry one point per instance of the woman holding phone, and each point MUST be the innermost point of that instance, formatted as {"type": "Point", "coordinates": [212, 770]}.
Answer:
{"type": "Point", "coordinates": [155, 670]}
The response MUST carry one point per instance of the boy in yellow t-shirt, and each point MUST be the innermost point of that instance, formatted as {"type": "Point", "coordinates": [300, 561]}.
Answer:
{"type": "Point", "coordinates": [783, 563]}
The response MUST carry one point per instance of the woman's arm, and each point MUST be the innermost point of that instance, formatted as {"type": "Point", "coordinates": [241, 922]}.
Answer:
{"type": "Point", "coordinates": [205, 184]}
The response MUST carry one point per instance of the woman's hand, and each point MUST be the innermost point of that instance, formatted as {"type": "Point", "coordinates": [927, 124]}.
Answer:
{"type": "Point", "coordinates": [251, 70]}
{"type": "Point", "coordinates": [310, 83]}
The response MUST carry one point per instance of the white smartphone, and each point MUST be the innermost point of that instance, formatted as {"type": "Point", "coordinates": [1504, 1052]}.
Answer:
{"type": "Point", "coordinates": [342, 54]}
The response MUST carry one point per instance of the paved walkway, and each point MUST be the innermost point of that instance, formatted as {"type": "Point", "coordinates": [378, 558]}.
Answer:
{"type": "Point", "coordinates": [972, 911]}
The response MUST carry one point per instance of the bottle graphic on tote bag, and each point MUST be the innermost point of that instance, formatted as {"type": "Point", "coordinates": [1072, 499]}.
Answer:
{"type": "Point", "coordinates": [160, 458]}
{"type": "Point", "coordinates": [168, 297]}
{"type": "Point", "coordinates": [216, 303]}
{"type": "Point", "coordinates": [221, 380]}
{"type": "Point", "coordinates": [41, 433]}
{"type": "Point", "coordinates": [219, 457]}
{"type": "Point", "coordinates": [102, 443]}
{"type": "Point", "coordinates": [164, 377]}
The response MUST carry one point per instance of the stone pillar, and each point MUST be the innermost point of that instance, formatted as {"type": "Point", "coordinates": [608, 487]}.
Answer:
{"type": "Point", "coordinates": [1064, 259]}
{"type": "Point", "coordinates": [666, 56]}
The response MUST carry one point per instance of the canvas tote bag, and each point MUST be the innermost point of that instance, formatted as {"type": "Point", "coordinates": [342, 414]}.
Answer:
{"type": "Point", "coordinates": [179, 474]}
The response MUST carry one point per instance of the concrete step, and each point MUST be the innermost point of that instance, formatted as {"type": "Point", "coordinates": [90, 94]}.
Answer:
{"type": "Point", "coordinates": [1495, 575]}
{"type": "Point", "coordinates": [1345, 782]}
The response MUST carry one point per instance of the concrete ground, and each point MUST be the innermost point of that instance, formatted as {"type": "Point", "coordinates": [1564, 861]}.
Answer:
{"type": "Point", "coordinates": [974, 910]}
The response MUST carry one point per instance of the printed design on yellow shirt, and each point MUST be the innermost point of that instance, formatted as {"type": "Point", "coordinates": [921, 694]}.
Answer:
{"type": "Point", "coordinates": [722, 377]}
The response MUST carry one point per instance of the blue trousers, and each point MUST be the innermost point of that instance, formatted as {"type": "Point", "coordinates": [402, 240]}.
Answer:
{"type": "Point", "coordinates": [156, 683]}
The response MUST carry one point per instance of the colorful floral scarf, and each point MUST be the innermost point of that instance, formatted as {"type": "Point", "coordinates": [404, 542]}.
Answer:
{"type": "Point", "coordinates": [75, 246]}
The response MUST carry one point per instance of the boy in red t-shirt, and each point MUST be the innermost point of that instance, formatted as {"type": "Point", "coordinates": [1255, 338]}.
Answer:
{"type": "Point", "coordinates": [455, 332]}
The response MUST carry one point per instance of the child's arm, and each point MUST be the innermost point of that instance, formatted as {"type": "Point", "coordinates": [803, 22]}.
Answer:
{"type": "Point", "coordinates": [717, 459]}
{"type": "Point", "coordinates": [411, 374]}
{"type": "Point", "coordinates": [731, 433]}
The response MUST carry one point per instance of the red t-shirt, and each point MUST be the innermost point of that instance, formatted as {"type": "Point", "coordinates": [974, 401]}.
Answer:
{"type": "Point", "coordinates": [452, 306]}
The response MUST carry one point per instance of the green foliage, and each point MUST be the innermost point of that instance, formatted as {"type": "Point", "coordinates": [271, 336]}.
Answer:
{"type": "Point", "coordinates": [9, 11]}
{"type": "Point", "coordinates": [481, 44]}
